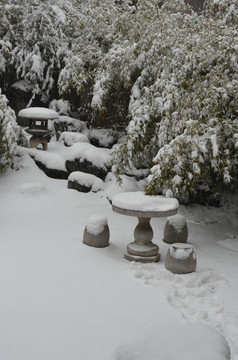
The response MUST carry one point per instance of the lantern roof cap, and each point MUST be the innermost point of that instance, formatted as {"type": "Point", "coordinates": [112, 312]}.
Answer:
{"type": "Point", "coordinates": [40, 113]}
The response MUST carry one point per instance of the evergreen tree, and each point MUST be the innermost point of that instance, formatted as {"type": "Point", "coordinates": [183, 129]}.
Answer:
{"type": "Point", "coordinates": [8, 134]}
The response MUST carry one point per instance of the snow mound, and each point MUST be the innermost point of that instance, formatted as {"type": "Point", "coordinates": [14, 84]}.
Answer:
{"type": "Point", "coordinates": [96, 224]}
{"type": "Point", "coordinates": [69, 138]}
{"type": "Point", "coordinates": [178, 342]}
{"type": "Point", "coordinates": [31, 187]}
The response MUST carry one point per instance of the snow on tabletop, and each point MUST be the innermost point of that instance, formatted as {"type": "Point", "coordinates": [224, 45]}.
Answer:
{"type": "Point", "coordinates": [181, 251]}
{"type": "Point", "coordinates": [87, 180]}
{"type": "Point", "coordinates": [177, 221]}
{"type": "Point", "coordinates": [71, 138]}
{"type": "Point", "coordinates": [138, 201]}
{"type": "Point", "coordinates": [96, 224]}
{"type": "Point", "coordinates": [38, 113]}
{"type": "Point", "coordinates": [97, 156]}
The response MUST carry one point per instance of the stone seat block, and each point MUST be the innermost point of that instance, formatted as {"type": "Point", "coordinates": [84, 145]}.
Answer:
{"type": "Point", "coordinates": [181, 259]}
{"type": "Point", "coordinates": [96, 232]}
{"type": "Point", "coordinates": [175, 230]}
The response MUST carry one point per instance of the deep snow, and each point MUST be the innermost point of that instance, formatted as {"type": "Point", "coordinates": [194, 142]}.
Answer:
{"type": "Point", "coordinates": [61, 299]}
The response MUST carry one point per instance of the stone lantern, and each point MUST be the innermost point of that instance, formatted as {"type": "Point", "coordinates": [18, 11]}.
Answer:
{"type": "Point", "coordinates": [38, 124]}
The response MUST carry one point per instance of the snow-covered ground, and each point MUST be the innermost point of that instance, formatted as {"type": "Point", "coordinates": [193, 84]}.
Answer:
{"type": "Point", "coordinates": [61, 299]}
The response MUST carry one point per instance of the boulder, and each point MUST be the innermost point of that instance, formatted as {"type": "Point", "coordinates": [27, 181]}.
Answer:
{"type": "Point", "coordinates": [53, 164]}
{"type": "Point", "coordinates": [102, 138]}
{"type": "Point", "coordinates": [89, 159]}
{"type": "Point", "coordinates": [69, 138]}
{"type": "Point", "coordinates": [52, 173]}
{"type": "Point", "coordinates": [84, 182]}
{"type": "Point", "coordinates": [66, 123]}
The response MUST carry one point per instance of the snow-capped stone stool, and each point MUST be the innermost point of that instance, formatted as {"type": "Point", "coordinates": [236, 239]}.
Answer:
{"type": "Point", "coordinates": [175, 230]}
{"type": "Point", "coordinates": [96, 232]}
{"type": "Point", "coordinates": [181, 259]}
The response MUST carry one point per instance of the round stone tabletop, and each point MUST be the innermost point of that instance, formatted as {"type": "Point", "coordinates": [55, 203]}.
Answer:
{"type": "Point", "coordinates": [146, 206]}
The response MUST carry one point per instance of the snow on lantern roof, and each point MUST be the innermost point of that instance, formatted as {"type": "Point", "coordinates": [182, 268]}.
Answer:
{"type": "Point", "coordinates": [38, 113]}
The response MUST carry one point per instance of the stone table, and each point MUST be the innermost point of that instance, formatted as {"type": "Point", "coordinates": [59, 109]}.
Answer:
{"type": "Point", "coordinates": [144, 207]}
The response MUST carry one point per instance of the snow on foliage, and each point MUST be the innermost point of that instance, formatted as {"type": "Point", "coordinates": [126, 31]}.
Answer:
{"type": "Point", "coordinates": [34, 46]}
{"type": "Point", "coordinates": [8, 134]}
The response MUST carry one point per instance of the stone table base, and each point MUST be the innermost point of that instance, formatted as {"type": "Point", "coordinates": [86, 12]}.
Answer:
{"type": "Point", "coordinates": [143, 249]}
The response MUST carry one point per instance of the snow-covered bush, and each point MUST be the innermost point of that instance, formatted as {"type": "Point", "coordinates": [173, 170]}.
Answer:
{"type": "Point", "coordinates": [8, 131]}
{"type": "Point", "coordinates": [34, 46]}
{"type": "Point", "coordinates": [183, 105]}
{"type": "Point", "coordinates": [224, 10]}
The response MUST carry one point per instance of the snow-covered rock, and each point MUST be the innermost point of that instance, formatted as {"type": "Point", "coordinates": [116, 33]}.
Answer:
{"type": "Point", "coordinates": [84, 182]}
{"type": "Point", "coordinates": [53, 164]}
{"type": "Point", "coordinates": [69, 138]}
{"type": "Point", "coordinates": [67, 123]}
{"type": "Point", "coordinates": [101, 138]}
{"type": "Point", "coordinates": [87, 158]}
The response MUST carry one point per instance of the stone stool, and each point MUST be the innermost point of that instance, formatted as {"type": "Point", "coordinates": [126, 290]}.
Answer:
{"type": "Point", "coordinates": [96, 232]}
{"type": "Point", "coordinates": [175, 230]}
{"type": "Point", "coordinates": [181, 259]}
